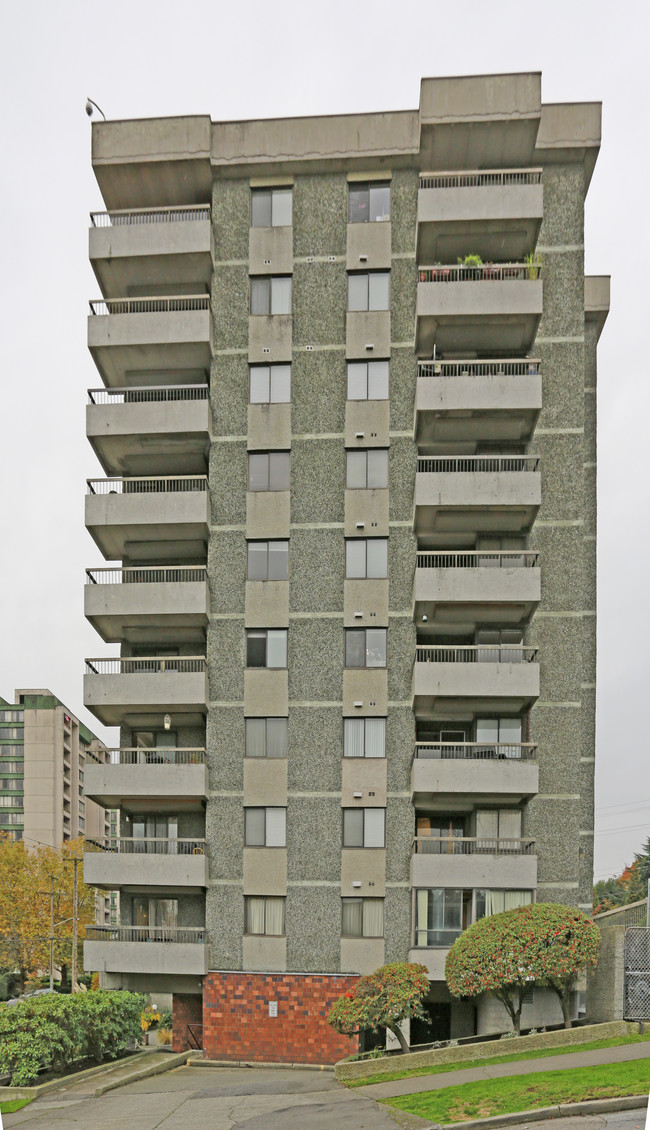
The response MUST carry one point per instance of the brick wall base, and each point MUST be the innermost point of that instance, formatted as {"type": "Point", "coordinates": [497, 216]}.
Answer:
{"type": "Point", "coordinates": [237, 1024]}
{"type": "Point", "coordinates": [186, 1009]}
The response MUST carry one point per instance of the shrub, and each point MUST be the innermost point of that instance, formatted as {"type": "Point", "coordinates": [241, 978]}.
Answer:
{"type": "Point", "coordinates": [382, 999]}
{"type": "Point", "coordinates": [53, 1031]}
{"type": "Point", "coordinates": [165, 1020]}
{"type": "Point", "coordinates": [165, 1036]}
{"type": "Point", "coordinates": [149, 1018]}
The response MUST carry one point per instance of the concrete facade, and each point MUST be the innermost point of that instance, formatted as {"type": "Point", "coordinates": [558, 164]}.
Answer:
{"type": "Point", "coordinates": [478, 443]}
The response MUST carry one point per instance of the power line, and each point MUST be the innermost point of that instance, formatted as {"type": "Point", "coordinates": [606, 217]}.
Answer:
{"type": "Point", "coordinates": [622, 828]}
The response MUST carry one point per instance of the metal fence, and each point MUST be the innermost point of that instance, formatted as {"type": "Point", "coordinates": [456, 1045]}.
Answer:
{"type": "Point", "coordinates": [176, 575]}
{"type": "Point", "coordinates": [169, 305]}
{"type": "Point", "coordinates": [154, 845]}
{"type": "Point", "coordinates": [487, 272]}
{"type": "Point", "coordinates": [170, 484]}
{"type": "Point", "coordinates": [637, 973]}
{"type": "Point", "coordinates": [476, 653]}
{"type": "Point", "coordinates": [527, 367]}
{"type": "Point", "coordinates": [634, 914]}
{"type": "Point", "coordinates": [159, 394]}
{"type": "Point", "coordinates": [471, 845]}
{"type": "Point", "coordinates": [481, 179]}
{"type": "Point", "coordinates": [120, 219]}
{"type": "Point", "coordinates": [479, 559]}
{"type": "Point", "coordinates": [156, 665]}
{"type": "Point", "coordinates": [164, 756]}
{"type": "Point", "coordinates": [183, 935]}
{"type": "Point", "coordinates": [454, 464]}
{"type": "Point", "coordinates": [476, 751]}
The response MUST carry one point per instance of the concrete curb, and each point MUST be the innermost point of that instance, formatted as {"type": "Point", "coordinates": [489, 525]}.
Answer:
{"type": "Point", "coordinates": [176, 1059]}
{"type": "Point", "coordinates": [35, 1092]}
{"type": "Point", "coordinates": [251, 1063]}
{"type": "Point", "coordinates": [563, 1110]}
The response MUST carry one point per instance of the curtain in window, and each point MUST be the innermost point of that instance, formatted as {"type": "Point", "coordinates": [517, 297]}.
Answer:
{"type": "Point", "coordinates": [494, 902]}
{"type": "Point", "coordinates": [276, 827]}
{"type": "Point", "coordinates": [375, 737]}
{"type": "Point", "coordinates": [352, 919]}
{"type": "Point", "coordinates": [254, 915]}
{"type": "Point", "coordinates": [275, 916]}
{"type": "Point", "coordinates": [260, 296]}
{"type": "Point", "coordinates": [353, 737]}
{"type": "Point", "coordinates": [422, 910]}
{"type": "Point", "coordinates": [373, 918]}
{"type": "Point", "coordinates": [517, 898]}
{"type": "Point", "coordinates": [255, 737]}
{"type": "Point", "coordinates": [509, 824]}
{"type": "Point", "coordinates": [374, 819]}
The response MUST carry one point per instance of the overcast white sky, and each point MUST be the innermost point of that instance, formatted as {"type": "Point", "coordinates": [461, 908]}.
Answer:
{"type": "Point", "coordinates": [148, 58]}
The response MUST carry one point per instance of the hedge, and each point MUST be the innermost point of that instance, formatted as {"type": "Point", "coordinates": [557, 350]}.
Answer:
{"type": "Point", "coordinates": [51, 1032]}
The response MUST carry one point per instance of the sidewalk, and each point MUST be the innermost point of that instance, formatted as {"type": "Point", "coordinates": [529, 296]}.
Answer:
{"type": "Point", "coordinates": [418, 1083]}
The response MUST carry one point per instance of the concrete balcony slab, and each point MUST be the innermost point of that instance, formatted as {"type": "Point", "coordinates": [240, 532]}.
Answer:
{"type": "Point", "coordinates": [152, 341]}
{"type": "Point", "coordinates": [171, 515]}
{"type": "Point", "coordinates": [152, 604]}
{"type": "Point", "coordinates": [150, 957]}
{"type": "Point", "coordinates": [476, 402]}
{"type": "Point", "coordinates": [147, 787]}
{"type": "Point", "coordinates": [466, 313]}
{"type": "Point", "coordinates": [139, 251]}
{"type": "Point", "coordinates": [475, 684]}
{"type": "Point", "coordinates": [122, 692]}
{"type": "Point", "coordinates": [153, 431]}
{"type": "Point", "coordinates": [147, 871]}
{"type": "Point", "coordinates": [489, 495]}
{"type": "Point", "coordinates": [493, 588]}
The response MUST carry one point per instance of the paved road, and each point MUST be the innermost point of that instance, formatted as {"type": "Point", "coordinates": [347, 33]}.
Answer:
{"type": "Point", "coordinates": [418, 1083]}
{"type": "Point", "coordinates": [623, 1120]}
{"type": "Point", "coordinates": [210, 1098]}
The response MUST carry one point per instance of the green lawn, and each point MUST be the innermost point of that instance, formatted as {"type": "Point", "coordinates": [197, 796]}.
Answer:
{"type": "Point", "coordinates": [438, 1069]}
{"type": "Point", "coordinates": [488, 1097]}
{"type": "Point", "coordinates": [14, 1104]}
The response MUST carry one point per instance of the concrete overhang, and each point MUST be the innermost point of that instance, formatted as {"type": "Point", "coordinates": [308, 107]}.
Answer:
{"type": "Point", "coordinates": [497, 318]}
{"type": "Point", "coordinates": [131, 259]}
{"type": "Point", "coordinates": [177, 523]}
{"type": "Point", "coordinates": [597, 300]}
{"type": "Point", "coordinates": [129, 699]}
{"type": "Point", "coordinates": [461, 503]}
{"type": "Point", "coordinates": [153, 958]}
{"type": "Point", "coordinates": [146, 871]}
{"type": "Point", "coordinates": [476, 409]}
{"type": "Point", "coordinates": [170, 437]}
{"type": "Point", "coordinates": [509, 871]}
{"type": "Point", "coordinates": [458, 600]}
{"type": "Point", "coordinates": [479, 121]}
{"type": "Point", "coordinates": [442, 689]}
{"type": "Point", "coordinates": [570, 131]}
{"type": "Point", "coordinates": [172, 347]}
{"type": "Point", "coordinates": [498, 222]}
{"type": "Point", "coordinates": [155, 612]}
{"type": "Point", "coordinates": [147, 162]}
{"type": "Point", "coordinates": [147, 788]}
{"type": "Point", "coordinates": [464, 783]}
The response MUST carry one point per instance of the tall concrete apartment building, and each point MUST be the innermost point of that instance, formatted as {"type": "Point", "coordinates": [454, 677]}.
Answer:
{"type": "Point", "coordinates": [347, 417]}
{"type": "Point", "coordinates": [44, 755]}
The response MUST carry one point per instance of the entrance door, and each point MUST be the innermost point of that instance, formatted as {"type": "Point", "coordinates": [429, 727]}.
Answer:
{"type": "Point", "coordinates": [436, 1027]}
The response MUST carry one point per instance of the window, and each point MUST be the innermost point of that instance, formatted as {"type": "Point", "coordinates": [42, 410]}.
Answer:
{"type": "Point", "coordinates": [494, 902]}
{"type": "Point", "coordinates": [365, 647]}
{"type": "Point", "coordinates": [498, 824]}
{"type": "Point", "coordinates": [264, 915]}
{"type": "Point", "coordinates": [11, 732]}
{"type": "Point", "coordinates": [12, 801]}
{"type": "Point", "coordinates": [502, 732]}
{"type": "Point", "coordinates": [271, 295]}
{"type": "Point", "coordinates": [155, 747]}
{"type": "Point", "coordinates": [366, 558]}
{"type": "Point", "coordinates": [362, 918]}
{"type": "Point", "coordinates": [268, 471]}
{"type": "Point", "coordinates": [367, 291]}
{"type": "Point", "coordinates": [12, 766]}
{"type": "Point", "coordinates": [266, 648]}
{"type": "Point", "coordinates": [438, 916]}
{"type": "Point", "coordinates": [499, 646]}
{"type": "Point", "coordinates": [11, 716]}
{"type": "Point", "coordinates": [368, 380]}
{"type": "Point", "coordinates": [11, 784]}
{"type": "Point", "coordinates": [367, 470]}
{"type": "Point", "coordinates": [266, 737]}
{"type": "Point", "coordinates": [368, 202]}
{"type": "Point", "coordinates": [364, 737]}
{"type": "Point", "coordinates": [265, 827]}
{"type": "Point", "coordinates": [364, 827]}
{"type": "Point", "coordinates": [154, 912]}
{"type": "Point", "coordinates": [268, 560]}
{"type": "Point", "coordinates": [269, 384]}
{"type": "Point", "coordinates": [156, 829]}
{"type": "Point", "coordinates": [271, 207]}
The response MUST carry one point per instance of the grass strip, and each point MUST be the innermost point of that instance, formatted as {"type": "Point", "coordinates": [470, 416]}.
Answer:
{"type": "Point", "coordinates": [488, 1097]}
{"type": "Point", "coordinates": [13, 1105]}
{"type": "Point", "coordinates": [462, 1065]}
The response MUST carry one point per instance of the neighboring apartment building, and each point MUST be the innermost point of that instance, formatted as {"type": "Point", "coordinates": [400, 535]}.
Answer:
{"type": "Point", "coordinates": [351, 505]}
{"type": "Point", "coordinates": [44, 753]}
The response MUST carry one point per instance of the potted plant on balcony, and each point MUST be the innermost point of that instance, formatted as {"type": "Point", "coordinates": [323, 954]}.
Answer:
{"type": "Point", "coordinates": [473, 265]}
{"type": "Point", "coordinates": [533, 262]}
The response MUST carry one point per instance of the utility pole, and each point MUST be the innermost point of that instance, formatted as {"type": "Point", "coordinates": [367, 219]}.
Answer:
{"type": "Point", "coordinates": [52, 934]}
{"type": "Point", "coordinates": [74, 925]}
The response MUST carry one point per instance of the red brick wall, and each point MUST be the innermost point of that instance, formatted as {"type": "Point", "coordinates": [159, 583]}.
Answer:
{"type": "Point", "coordinates": [237, 1025]}
{"type": "Point", "coordinates": [186, 1009]}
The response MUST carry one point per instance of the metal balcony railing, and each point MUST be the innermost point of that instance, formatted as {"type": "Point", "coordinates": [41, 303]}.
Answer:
{"type": "Point", "coordinates": [527, 367]}
{"type": "Point", "coordinates": [158, 845]}
{"type": "Point", "coordinates": [120, 219]}
{"type": "Point", "coordinates": [481, 178]}
{"type": "Point", "coordinates": [160, 575]}
{"type": "Point", "coordinates": [169, 484]}
{"type": "Point", "coordinates": [476, 751]}
{"type": "Point", "coordinates": [473, 463]}
{"type": "Point", "coordinates": [160, 394]}
{"type": "Point", "coordinates": [165, 756]}
{"type": "Point", "coordinates": [488, 272]}
{"type": "Point", "coordinates": [476, 653]}
{"type": "Point", "coordinates": [480, 559]}
{"type": "Point", "coordinates": [169, 305]}
{"type": "Point", "coordinates": [471, 845]}
{"type": "Point", "coordinates": [158, 665]}
{"type": "Point", "coordinates": [182, 935]}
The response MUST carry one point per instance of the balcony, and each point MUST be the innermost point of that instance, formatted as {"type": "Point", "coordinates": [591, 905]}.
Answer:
{"type": "Point", "coordinates": [473, 770]}
{"type": "Point", "coordinates": [469, 678]}
{"type": "Point", "coordinates": [493, 309]}
{"type": "Point", "coordinates": [473, 402]}
{"type": "Point", "coordinates": [141, 250]}
{"type": "Point", "coordinates": [496, 214]}
{"type": "Point", "coordinates": [160, 430]}
{"type": "Point", "coordinates": [465, 861]}
{"type": "Point", "coordinates": [170, 515]}
{"type": "Point", "coordinates": [472, 587]}
{"type": "Point", "coordinates": [140, 865]}
{"type": "Point", "coordinates": [147, 949]}
{"type": "Point", "coordinates": [149, 780]}
{"type": "Point", "coordinates": [475, 494]}
{"type": "Point", "coordinates": [138, 691]}
{"type": "Point", "coordinates": [155, 605]}
{"type": "Point", "coordinates": [157, 340]}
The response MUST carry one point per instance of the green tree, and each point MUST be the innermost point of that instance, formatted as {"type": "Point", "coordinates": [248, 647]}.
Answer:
{"type": "Point", "coordinates": [639, 874]}
{"type": "Point", "coordinates": [545, 944]}
{"type": "Point", "coordinates": [609, 893]}
{"type": "Point", "coordinates": [383, 999]}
